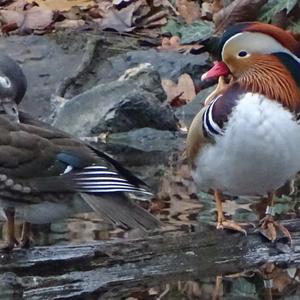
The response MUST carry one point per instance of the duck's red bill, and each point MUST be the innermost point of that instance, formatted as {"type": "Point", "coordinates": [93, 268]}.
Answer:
{"type": "Point", "coordinates": [219, 69]}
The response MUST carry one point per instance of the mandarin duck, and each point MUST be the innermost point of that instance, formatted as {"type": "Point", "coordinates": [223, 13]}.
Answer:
{"type": "Point", "coordinates": [245, 141]}
{"type": "Point", "coordinates": [47, 174]}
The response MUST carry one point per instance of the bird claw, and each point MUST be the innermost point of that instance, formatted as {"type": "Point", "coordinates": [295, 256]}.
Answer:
{"type": "Point", "coordinates": [269, 228]}
{"type": "Point", "coordinates": [232, 225]}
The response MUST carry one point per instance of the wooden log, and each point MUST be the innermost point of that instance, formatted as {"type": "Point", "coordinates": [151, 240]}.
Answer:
{"type": "Point", "coordinates": [111, 268]}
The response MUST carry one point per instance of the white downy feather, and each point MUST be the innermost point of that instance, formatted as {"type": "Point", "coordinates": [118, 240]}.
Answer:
{"type": "Point", "coordinates": [258, 152]}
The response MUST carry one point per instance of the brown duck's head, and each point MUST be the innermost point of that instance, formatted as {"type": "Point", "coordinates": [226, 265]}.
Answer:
{"type": "Point", "coordinates": [263, 59]}
{"type": "Point", "coordinates": [13, 85]}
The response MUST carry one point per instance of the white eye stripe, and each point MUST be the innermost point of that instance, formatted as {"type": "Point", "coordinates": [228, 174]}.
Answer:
{"type": "Point", "coordinates": [5, 82]}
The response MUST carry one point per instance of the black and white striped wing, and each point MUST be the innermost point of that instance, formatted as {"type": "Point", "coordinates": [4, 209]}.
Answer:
{"type": "Point", "coordinates": [99, 179]}
{"type": "Point", "coordinates": [219, 109]}
{"type": "Point", "coordinates": [210, 125]}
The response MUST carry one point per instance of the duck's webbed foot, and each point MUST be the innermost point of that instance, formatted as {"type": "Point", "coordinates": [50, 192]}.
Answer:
{"type": "Point", "coordinates": [270, 228]}
{"type": "Point", "coordinates": [232, 225]}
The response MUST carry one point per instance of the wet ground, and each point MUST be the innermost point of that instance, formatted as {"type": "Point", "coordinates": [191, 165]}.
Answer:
{"type": "Point", "coordinates": [178, 204]}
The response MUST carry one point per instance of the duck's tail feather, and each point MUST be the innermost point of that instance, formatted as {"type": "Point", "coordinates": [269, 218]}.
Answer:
{"type": "Point", "coordinates": [121, 211]}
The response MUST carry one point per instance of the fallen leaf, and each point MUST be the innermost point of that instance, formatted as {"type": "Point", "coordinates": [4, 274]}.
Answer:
{"type": "Point", "coordinates": [207, 10]}
{"type": "Point", "coordinates": [8, 17]}
{"type": "Point", "coordinates": [237, 11]}
{"type": "Point", "coordinates": [69, 24]}
{"type": "Point", "coordinates": [75, 13]}
{"type": "Point", "coordinates": [192, 290]}
{"type": "Point", "coordinates": [119, 20]}
{"type": "Point", "coordinates": [63, 5]}
{"type": "Point", "coordinates": [180, 93]}
{"type": "Point", "coordinates": [177, 101]}
{"type": "Point", "coordinates": [9, 27]}
{"type": "Point", "coordinates": [188, 10]}
{"type": "Point", "coordinates": [217, 5]}
{"type": "Point", "coordinates": [174, 44]}
{"type": "Point", "coordinates": [18, 5]}
{"type": "Point", "coordinates": [34, 18]}
{"type": "Point", "coordinates": [37, 18]}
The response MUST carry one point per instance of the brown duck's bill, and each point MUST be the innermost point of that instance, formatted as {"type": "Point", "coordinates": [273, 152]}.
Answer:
{"type": "Point", "coordinates": [219, 69]}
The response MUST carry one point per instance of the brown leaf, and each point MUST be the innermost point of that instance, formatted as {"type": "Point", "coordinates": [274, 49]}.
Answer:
{"type": "Point", "coordinates": [18, 5]}
{"type": "Point", "coordinates": [37, 18]}
{"type": "Point", "coordinates": [206, 11]}
{"type": "Point", "coordinates": [9, 27]}
{"type": "Point", "coordinates": [217, 5]}
{"type": "Point", "coordinates": [281, 279]}
{"type": "Point", "coordinates": [75, 13]}
{"type": "Point", "coordinates": [180, 93]}
{"type": "Point", "coordinates": [8, 17]}
{"type": "Point", "coordinates": [189, 10]}
{"type": "Point", "coordinates": [192, 290]}
{"type": "Point", "coordinates": [34, 18]}
{"type": "Point", "coordinates": [119, 20]}
{"type": "Point", "coordinates": [177, 101]}
{"type": "Point", "coordinates": [186, 84]}
{"type": "Point", "coordinates": [237, 11]}
{"type": "Point", "coordinates": [69, 24]}
{"type": "Point", "coordinates": [174, 44]}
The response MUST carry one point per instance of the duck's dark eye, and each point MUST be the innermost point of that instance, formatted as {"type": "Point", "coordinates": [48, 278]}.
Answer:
{"type": "Point", "coordinates": [242, 53]}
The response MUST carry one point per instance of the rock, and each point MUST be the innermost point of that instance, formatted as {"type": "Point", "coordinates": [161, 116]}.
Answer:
{"type": "Point", "coordinates": [134, 101]}
{"type": "Point", "coordinates": [168, 64]}
{"type": "Point", "coordinates": [149, 140]}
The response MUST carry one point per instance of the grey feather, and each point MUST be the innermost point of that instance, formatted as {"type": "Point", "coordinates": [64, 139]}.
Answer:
{"type": "Point", "coordinates": [120, 210]}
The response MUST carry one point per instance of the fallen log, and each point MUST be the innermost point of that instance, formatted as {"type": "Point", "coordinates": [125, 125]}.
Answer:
{"type": "Point", "coordinates": [111, 268]}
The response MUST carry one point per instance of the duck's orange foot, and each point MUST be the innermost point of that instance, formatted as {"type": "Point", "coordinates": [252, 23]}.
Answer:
{"type": "Point", "coordinates": [232, 225]}
{"type": "Point", "coordinates": [269, 228]}
{"type": "Point", "coordinates": [9, 245]}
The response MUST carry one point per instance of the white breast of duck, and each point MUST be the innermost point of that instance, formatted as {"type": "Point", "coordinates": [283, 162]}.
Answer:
{"type": "Point", "coordinates": [256, 145]}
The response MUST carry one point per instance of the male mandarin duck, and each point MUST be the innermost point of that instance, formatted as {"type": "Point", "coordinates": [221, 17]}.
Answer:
{"type": "Point", "coordinates": [246, 138]}
{"type": "Point", "coordinates": [47, 174]}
